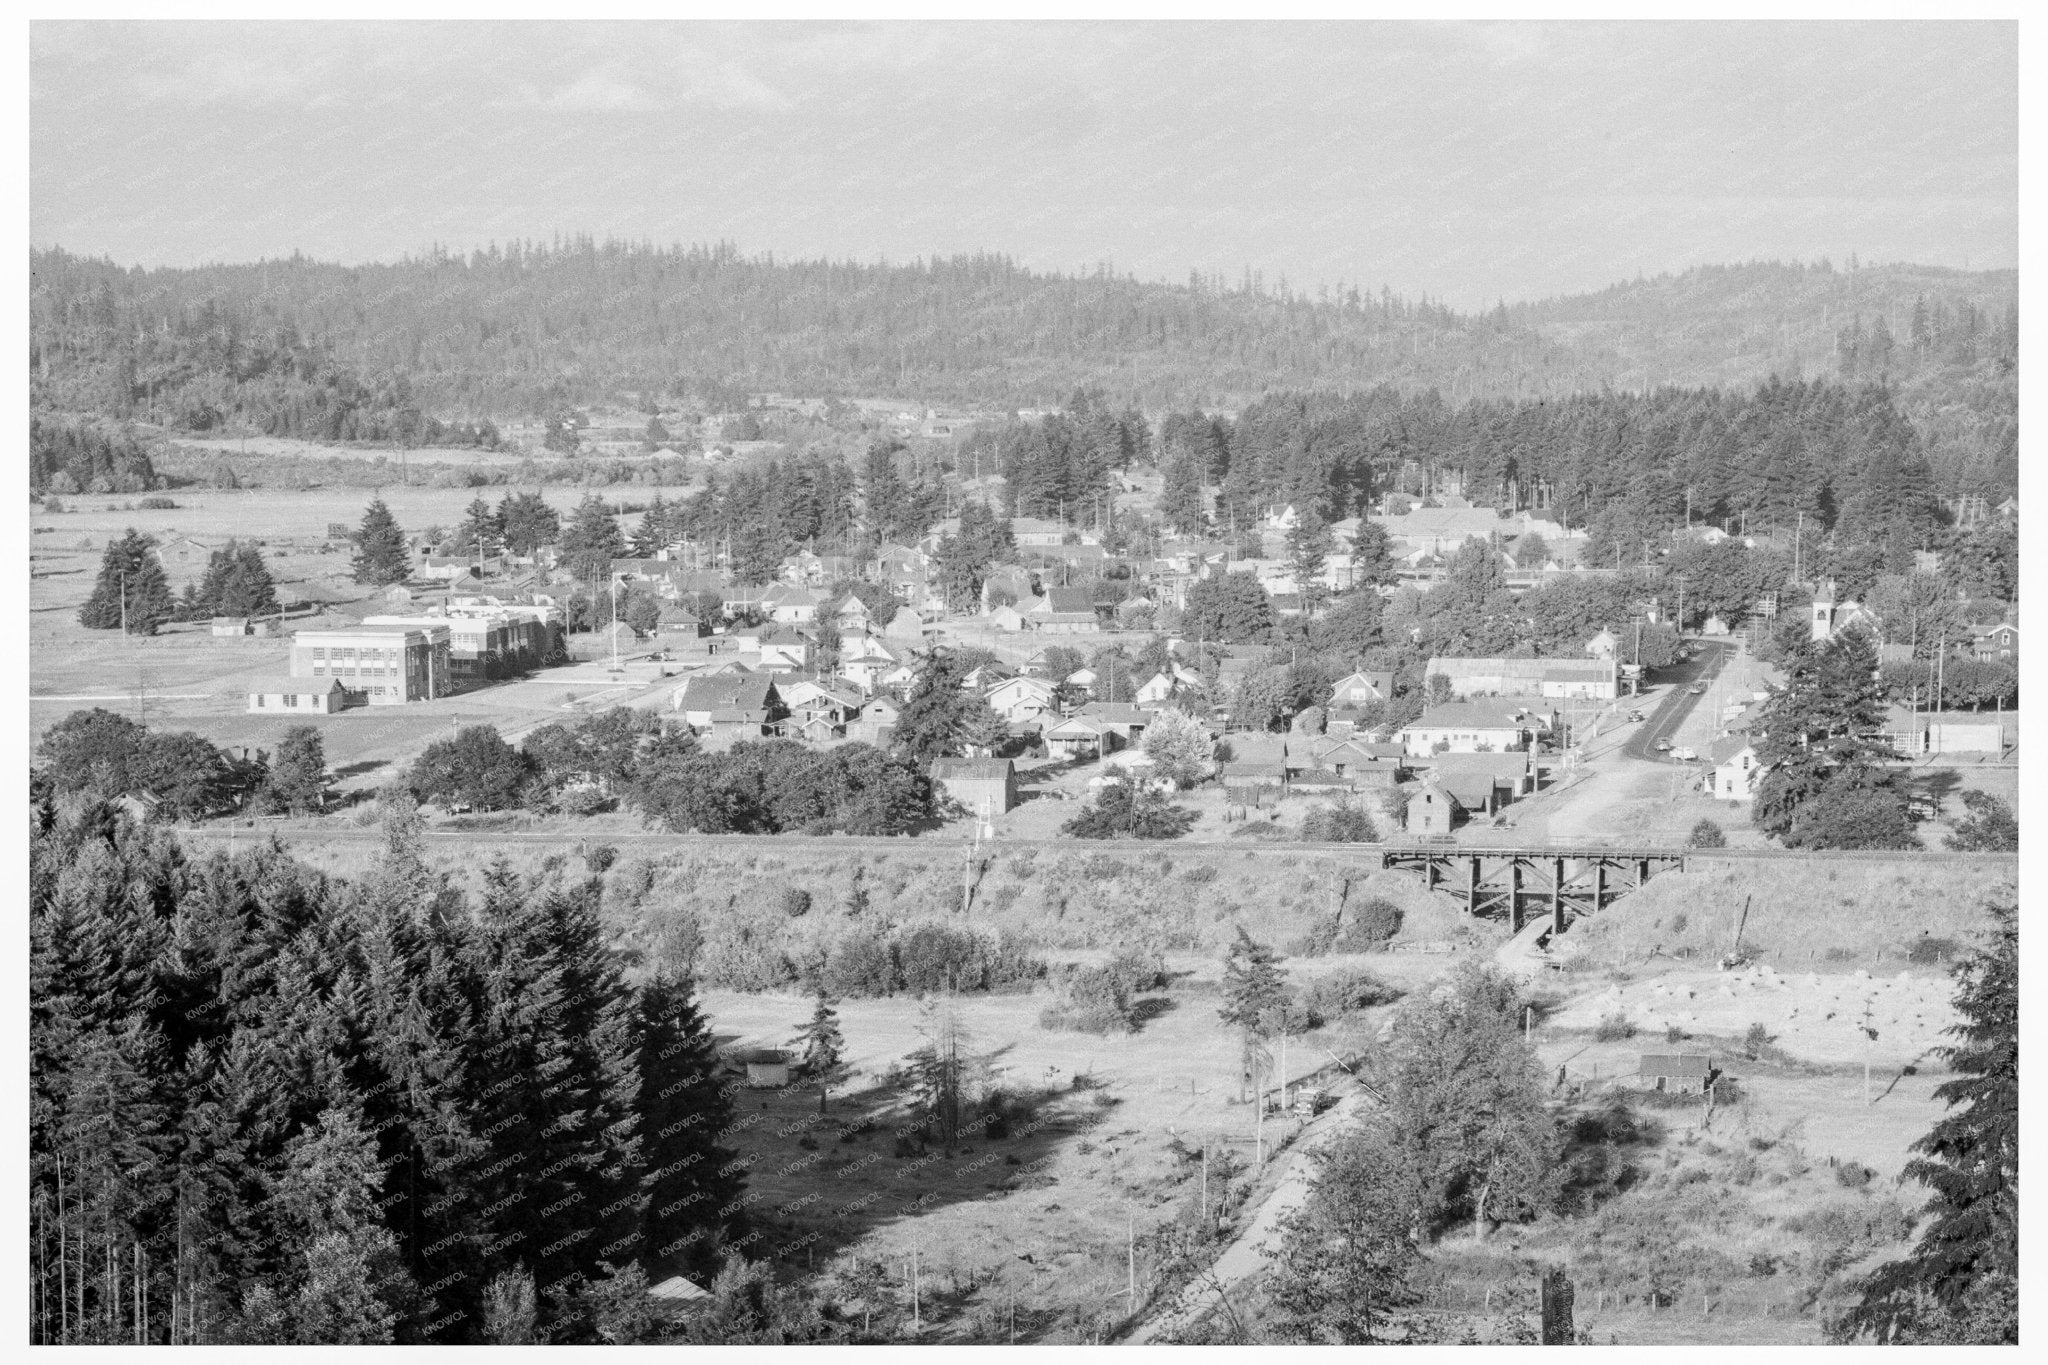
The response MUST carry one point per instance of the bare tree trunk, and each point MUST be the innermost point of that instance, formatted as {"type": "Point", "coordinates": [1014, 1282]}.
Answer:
{"type": "Point", "coordinates": [1479, 1211]}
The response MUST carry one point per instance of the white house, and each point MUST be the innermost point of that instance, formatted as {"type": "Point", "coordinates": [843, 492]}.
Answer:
{"type": "Point", "coordinates": [1735, 769]}
{"type": "Point", "coordinates": [1473, 727]}
{"type": "Point", "coordinates": [1023, 701]}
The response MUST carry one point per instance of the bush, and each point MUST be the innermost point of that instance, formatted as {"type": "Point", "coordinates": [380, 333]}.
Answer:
{"type": "Point", "coordinates": [52, 503]}
{"type": "Point", "coordinates": [1614, 1028]}
{"type": "Point", "coordinates": [1342, 823]}
{"type": "Point", "coordinates": [157, 504]}
{"type": "Point", "coordinates": [1706, 834]}
{"type": "Point", "coordinates": [1199, 876]}
{"type": "Point", "coordinates": [1929, 950]}
{"type": "Point", "coordinates": [1755, 1041]}
{"type": "Point", "coordinates": [1853, 1175]}
{"type": "Point", "coordinates": [1346, 992]}
{"type": "Point", "coordinates": [934, 957]}
{"type": "Point", "coordinates": [1137, 972]}
{"type": "Point", "coordinates": [796, 902]}
{"type": "Point", "coordinates": [861, 964]}
{"type": "Point", "coordinates": [1093, 1000]}
{"type": "Point", "coordinates": [1259, 829]}
{"type": "Point", "coordinates": [600, 858]}
{"type": "Point", "coordinates": [582, 800]}
{"type": "Point", "coordinates": [1373, 925]}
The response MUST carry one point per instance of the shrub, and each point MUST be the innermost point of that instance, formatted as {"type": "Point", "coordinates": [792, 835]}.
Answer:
{"type": "Point", "coordinates": [1706, 834]}
{"type": "Point", "coordinates": [157, 504]}
{"type": "Point", "coordinates": [600, 858]}
{"type": "Point", "coordinates": [1373, 925]}
{"type": "Point", "coordinates": [1258, 829]}
{"type": "Point", "coordinates": [582, 800]}
{"type": "Point", "coordinates": [1199, 876]}
{"type": "Point", "coordinates": [1345, 822]}
{"type": "Point", "coordinates": [1674, 1034]}
{"type": "Point", "coordinates": [1853, 1175]}
{"type": "Point", "coordinates": [52, 503]}
{"type": "Point", "coordinates": [796, 902]}
{"type": "Point", "coordinates": [1346, 992]}
{"type": "Point", "coordinates": [1755, 1041]}
{"type": "Point", "coordinates": [1093, 1000]}
{"type": "Point", "coordinates": [1929, 950]}
{"type": "Point", "coordinates": [935, 958]}
{"type": "Point", "coordinates": [1614, 1029]}
{"type": "Point", "coordinates": [1137, 972]}
{"type": "Point", "coordinates": [1678, 922]}
{"type": "Point", "coordinates": [861, 964]}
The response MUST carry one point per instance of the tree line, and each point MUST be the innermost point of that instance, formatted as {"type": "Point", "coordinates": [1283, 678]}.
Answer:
{"type": "Point", "coordinates": [270, 1106]}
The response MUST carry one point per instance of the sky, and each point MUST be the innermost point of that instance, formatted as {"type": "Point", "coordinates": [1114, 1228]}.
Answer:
{"type": "Point", "coordinates": [1468, 162]}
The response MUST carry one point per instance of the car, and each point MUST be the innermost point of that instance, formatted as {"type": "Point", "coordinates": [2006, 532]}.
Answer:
{"type": "Point", "coordinates": [1663, 746]}
{"type": "Point", "coordinates": [1684, 755]}
{"type": "Point", "coordinates": [1697, 689]}
{"type": "Point", "coordinates": [1635, 715]}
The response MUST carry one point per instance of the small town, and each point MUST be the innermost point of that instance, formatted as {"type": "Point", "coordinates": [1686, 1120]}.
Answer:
{"type": "Point", "coordinates": [653, 721]}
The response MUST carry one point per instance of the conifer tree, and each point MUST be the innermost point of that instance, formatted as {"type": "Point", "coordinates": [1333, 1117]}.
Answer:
{"type": "Point", "coordinates": [298, 773]}
{"type": "Point", "coordinates": [381, 557]}
{"type": "Point", "coordinates": [1823, 784]}
{"type": "Point", "coordinates": [823, 1051]}
{"type": "Point", "coordinates": [687, 1185]}
{"type": "Point", "coordinates": [483, 529]}
{"type": "Point", "coordinates": [592, 540]}
{"type": "Point", "coordinates": [130, 581]}
{"type": "Point", "coordinates": [1960, 1283]}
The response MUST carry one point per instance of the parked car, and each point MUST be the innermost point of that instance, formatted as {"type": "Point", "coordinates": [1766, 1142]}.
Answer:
{"type": "Point", "coordinates": [1663, 746]}
{"type": "Point", "coordinates": [1697, 689]}
{"type": "Point", "coordinates": [1684, 755]}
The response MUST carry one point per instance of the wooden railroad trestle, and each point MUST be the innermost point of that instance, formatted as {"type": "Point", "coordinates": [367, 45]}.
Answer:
{"type": "Point", "coordinates": [1517, 882]}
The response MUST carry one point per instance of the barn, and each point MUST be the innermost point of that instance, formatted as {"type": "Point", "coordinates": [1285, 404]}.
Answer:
{"type": "Point", "coordinates": [1679, 1073]}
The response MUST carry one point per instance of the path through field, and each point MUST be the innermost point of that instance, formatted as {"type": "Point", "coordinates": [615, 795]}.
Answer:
{"type": "Point", "coordinates": [1246, 1256]}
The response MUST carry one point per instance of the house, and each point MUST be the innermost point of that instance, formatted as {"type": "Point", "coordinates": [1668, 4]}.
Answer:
{"type": "Point", "coordinates": [185, 559]}
{"type": "Point", "coordinates": [1735, 769]}
{"type": "Point", "coordinates": [812, 698]}
{"type": "Point", "coordinates": [386, 665]}
{"type": "Point", "coordinates": [2000, 642]}
{"type": "Point", "coordinates": [232, 626]}
{"type": "Point", "coordinates": [1684, 1073]}
{"type": "Point", "coordinates": [1066, 623]}
{"type": "Point", "coordinates": [1077, 738]}
{"type": "Point", "coordinates": [1156, 689]}
{"type": "Point", "coordinates": [1256, 768]}
{"type": "Point", "coordinates": [1481, 783]}
{"type": "Point", "coordinates": [323, 696]}
{"type": "Point", "coordinates": [1472, 727]}
{"type": "Point", "coordinates": [1829, 616]}
{"type": "Point", "coordinates": [1602, 645]}
{"type": "Point", "coordinates": [1124, 721]}
{"type": "Point", "coordinates": [1361, 762]}
{"type": "Point", "coordinates": [751, 697]}
{"type": "Point", "coordinates": [796, 606]}
{"type": "Point", "coordinates": [1036, 532]}
{"type": "Point", "coordinates": [1063, 602]}
{"type": "Point", "coordinates": [1006, 619]}
{"type": "Point", "coordinates": [1024, 702]}
{"type": "Point", "coordinates": [852, 616]}
{"type": "Point", "coordinates": [863, 662]}
{"type": "Point", "coordinates": [675, 1292]}
{"type": "Point", "coordinates": [876, 723]}
{"type": "Point", "coordinates": [767, 1068]}
{"type": "Point", "coordinates": [1363, 688]}
{"type": "Point", "coordinates": [984, 786]}
{"type": "Point", "coordinates": [1430, 810]}
{"type": "Point", "coordinates": [987, 675]}
{"type": "Point", "coordinates": [1561, 679]}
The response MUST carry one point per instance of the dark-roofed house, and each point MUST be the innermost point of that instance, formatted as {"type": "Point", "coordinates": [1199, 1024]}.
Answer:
{"type": "Point", "coordinates": [1684, 1073]}
{"type": "Point", "coordinates": [322, 696]}
{"type": "Point", "coordinates": [1561, 679]}
{"type": "Point", "coordinates": [982, 785]}
{"type": "Point", "coordinates": [1480, 783]}
{"type": "Point", "coordinates": [705, 702]}
{"type": "Point", "coordinates": [1125, 720]}
{"type": "Point", "coordinates": [2001, 641]}
{"type": "Point", "coordinates": [1076, 737]}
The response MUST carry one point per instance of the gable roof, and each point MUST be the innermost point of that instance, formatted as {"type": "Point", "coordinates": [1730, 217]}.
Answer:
{"type": "Point", "coordinates": [728, 691]}
{"type": "Point", "coordinates": [294, 687]}
{"type": "Point", "coordinates": [1499, 714]}
{"type": "Point", "coordinates": [971, 769]}
{"type": "Point", "coordinates": [1061, 601]}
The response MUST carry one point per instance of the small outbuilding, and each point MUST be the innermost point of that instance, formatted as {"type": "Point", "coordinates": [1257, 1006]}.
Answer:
{"type": "Point", "coordinates": [322, 696]}
{"type": "Point", "coordinates": [981, 785]}
{"type": "Point", "coordinates": [767, 1068]}
{"type": "Point", "coordinates": [1678, 1073]}
{"type": "Point", "coordinates": [1430, 810]}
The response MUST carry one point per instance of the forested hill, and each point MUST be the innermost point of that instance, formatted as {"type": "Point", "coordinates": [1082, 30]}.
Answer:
{"type": "Point", "coordinates": [521, 330]}
{"type": "Point", "coordinates": [1731, 324]}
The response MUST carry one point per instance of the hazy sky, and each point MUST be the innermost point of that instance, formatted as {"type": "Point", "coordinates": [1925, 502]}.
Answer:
{"type": "Point", "coordinates": [1467, 161]}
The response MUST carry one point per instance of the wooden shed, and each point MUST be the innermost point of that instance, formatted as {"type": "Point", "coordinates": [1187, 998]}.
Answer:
{"type": "Point", "coordinates": [1679, 1073]}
